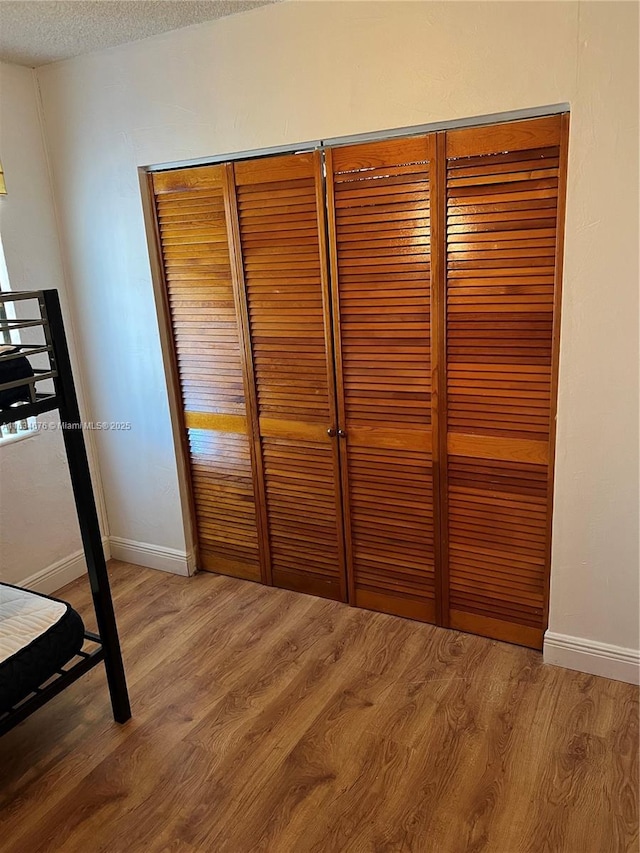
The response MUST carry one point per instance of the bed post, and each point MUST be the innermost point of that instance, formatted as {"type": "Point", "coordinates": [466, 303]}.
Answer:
{"type": "Point", "coordinates": [85, 505]}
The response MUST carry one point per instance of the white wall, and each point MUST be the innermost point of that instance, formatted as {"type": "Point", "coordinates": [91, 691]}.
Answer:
{"type": "Point", "coordinates": [39, 535]}
{"type": "Point", "coordinates": [298, 71]}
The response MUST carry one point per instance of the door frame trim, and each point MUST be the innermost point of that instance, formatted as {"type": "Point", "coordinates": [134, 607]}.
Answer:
{"type": "Point", "coordinates": [370, 136]}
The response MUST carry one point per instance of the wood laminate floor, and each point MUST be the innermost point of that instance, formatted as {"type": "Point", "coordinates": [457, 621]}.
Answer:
{"type": "Point", "coordinates": [265, 720]}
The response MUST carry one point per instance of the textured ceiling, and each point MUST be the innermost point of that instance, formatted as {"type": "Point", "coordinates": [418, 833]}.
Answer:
{"type": "Point", "coordinates": [34, 32]}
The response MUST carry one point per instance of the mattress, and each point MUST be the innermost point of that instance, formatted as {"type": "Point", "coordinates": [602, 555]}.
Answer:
{"type": "Point", "coordinates": [38, 635]}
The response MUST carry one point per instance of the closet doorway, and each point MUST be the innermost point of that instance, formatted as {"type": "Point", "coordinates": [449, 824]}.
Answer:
{"type": "Point", "coordinates": [364, 340]}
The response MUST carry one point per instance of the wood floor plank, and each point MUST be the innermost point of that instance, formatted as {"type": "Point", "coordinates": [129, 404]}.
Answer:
{"type": "Point", "coordinates": [266, 720]}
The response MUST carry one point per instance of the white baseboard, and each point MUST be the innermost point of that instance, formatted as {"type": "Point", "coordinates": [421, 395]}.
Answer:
{"type": "Point", "coordinates": [590, 656]}
{"type": "Point", "coordinates": [152, 556]}
{"type": "Point", "coordinates": [59, 574]}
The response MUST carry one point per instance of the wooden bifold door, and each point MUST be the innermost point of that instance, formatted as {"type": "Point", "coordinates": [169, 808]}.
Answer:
{"type": "Point", "coordinates": [365, 341]}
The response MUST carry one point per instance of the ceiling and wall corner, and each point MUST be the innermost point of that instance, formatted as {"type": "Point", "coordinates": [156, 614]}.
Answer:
{"type": "Point", "coordinates": [262, 79]}
{"type": "Point", "coordinates": [36, 32]}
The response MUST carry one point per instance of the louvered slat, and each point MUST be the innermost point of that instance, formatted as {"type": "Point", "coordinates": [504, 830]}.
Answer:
{"type": "Point", "coordinates": [190, 212]}
{"type": "Point", "coordinates": [379, 203]}
{"type": "Point", "coordinates": [502, 197]}
{"type": "Point", "coordinates": [281, 227]}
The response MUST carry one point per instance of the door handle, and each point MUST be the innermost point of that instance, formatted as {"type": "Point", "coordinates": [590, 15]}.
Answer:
{"type": "Point", "coordinates": [331, 432]}
{"type": "Point", "coordinates": [342, 433]}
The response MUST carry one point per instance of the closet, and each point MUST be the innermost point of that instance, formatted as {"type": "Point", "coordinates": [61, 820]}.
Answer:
{"type": "Point", "coordinates": [365, 344]}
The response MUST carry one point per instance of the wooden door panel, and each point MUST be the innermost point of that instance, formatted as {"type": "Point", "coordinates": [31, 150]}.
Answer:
{"type": "Point", "coordinates": [380, 237]}
{"type": "Point", "coordinates": [497, 547]}
{"type": "Point", "coordinates": [306, 550]}
{"type": "Point", "coordinates": [223, 492]}
{"type": "Point", "coordinates": [504, 202]}
{"type": "Point", "coordinates": [281, 231]}
{"type": "Point", "coordinates": [391, 529]}
{"type": "Point", "coordinates": [193, 237]}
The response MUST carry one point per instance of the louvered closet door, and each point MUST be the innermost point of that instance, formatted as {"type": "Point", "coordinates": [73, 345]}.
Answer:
{"type": "Point", "coordinates": [190, 211]}
{"type": "Point", "coordinates": [380, 235]}
{"type": "Point", "coordinates": [282, 240]}
{"type": "Point", "coordinates": [504, 203]}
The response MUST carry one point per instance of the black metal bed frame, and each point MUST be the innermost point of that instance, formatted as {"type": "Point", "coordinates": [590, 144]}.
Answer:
{"type": "Point", "coordinates": [64, 399]}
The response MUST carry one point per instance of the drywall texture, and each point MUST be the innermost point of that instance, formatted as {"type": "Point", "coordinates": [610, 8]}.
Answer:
{"type": "Point", "coordinates": [38, 524]}
{"type": "Point", "coordinates": [299, 71]}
